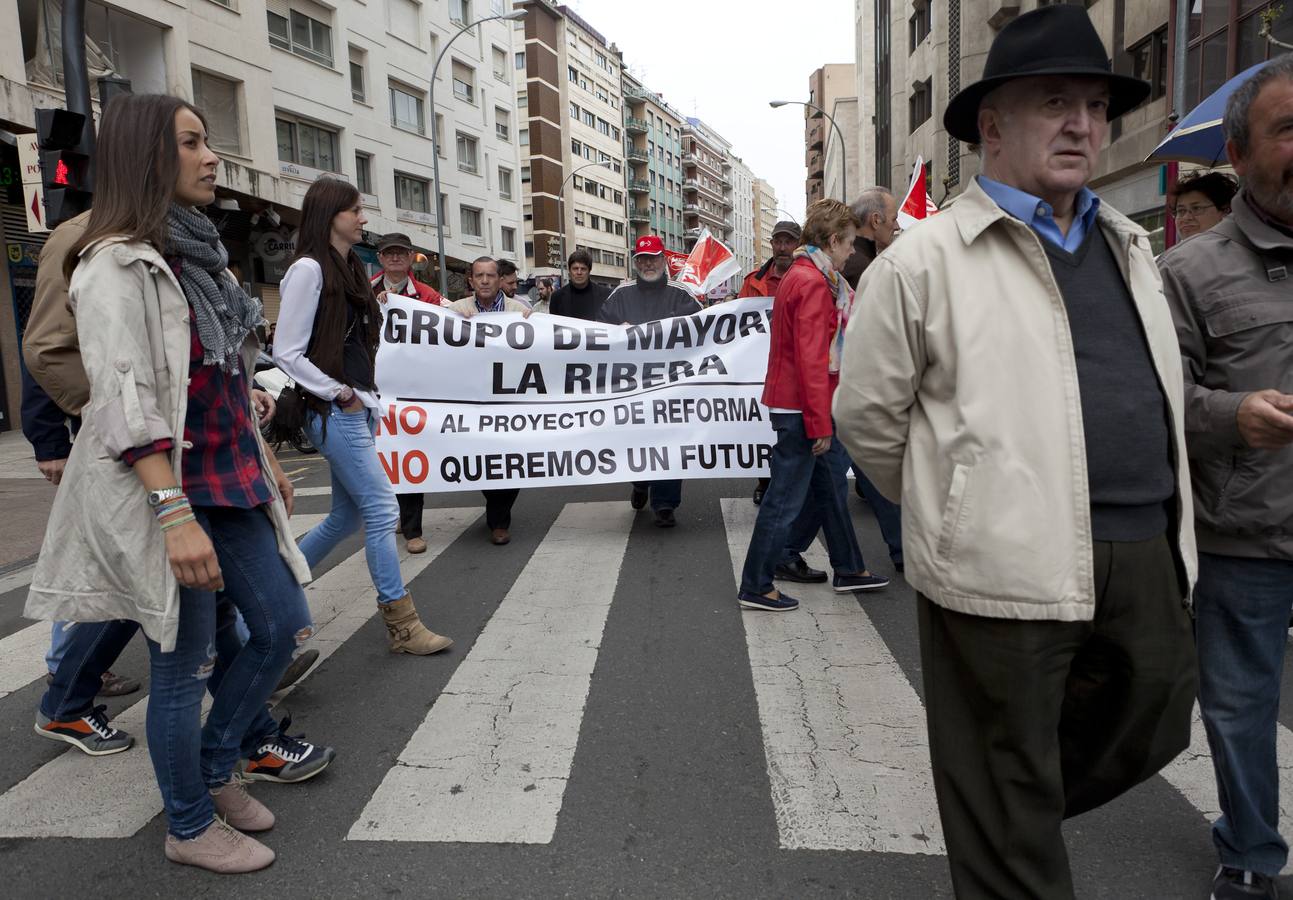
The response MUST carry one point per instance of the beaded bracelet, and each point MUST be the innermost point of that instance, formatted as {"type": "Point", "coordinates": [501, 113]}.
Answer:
{"type": "Point", "coordinates": [170, 506]}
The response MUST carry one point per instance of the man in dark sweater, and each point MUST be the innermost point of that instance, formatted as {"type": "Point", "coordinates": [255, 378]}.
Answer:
{"type": "Point", "coordinates": [652, 296]}
{"type": "Point", "coordinates": [581, 298]}
{"type": "Point", "coordinates": [1010, 371]}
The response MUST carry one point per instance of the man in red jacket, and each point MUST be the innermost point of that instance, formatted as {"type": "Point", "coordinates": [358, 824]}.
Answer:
{"type": "Point", "coordinates": [395, 252]}
{"type": "Point", "coordinates": [808, 461]}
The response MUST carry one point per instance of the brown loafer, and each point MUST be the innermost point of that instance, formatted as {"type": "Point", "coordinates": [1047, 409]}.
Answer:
{"type": "Point", "coordinates": [117, 685]}
{"type": "Point", "coordinates": [500, 536]}
{"type": "Point", "coordinates": [416, 545]}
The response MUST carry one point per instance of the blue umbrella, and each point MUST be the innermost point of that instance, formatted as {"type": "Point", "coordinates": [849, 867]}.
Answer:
{"type": "Point", "coordinates": [1198, 138]}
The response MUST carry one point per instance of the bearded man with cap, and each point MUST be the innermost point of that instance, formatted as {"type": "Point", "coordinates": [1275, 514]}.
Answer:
{"type": "Point", "coordinates": [1013, 376]}
{"type": "Point", "coordinates": [651, 296]}
{"type": "Point", "coordinates": [763, 281]}
{"type": "Point", "coordinates": [395, 252]}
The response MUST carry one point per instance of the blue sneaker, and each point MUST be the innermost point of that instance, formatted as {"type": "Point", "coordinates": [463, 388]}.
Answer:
{"type": "Point", "coordinates": [751, 600]}
{"type": "Point", "coordinates": [846, 584]}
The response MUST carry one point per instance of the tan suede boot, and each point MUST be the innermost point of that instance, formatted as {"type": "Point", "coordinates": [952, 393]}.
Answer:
{"type": "Point", "coordinates": [407, 633]}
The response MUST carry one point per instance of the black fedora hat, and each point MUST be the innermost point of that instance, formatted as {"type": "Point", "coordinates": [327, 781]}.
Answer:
{"type": "Point", "coordinates": [1052, 40]}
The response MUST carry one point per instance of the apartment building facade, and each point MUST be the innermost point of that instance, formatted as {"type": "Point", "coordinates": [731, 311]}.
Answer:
{"type": "Point", "coordinates": [913, 55]}
{"type": "Point", "coordinates": [575, 178]}
{"type": "Point", "coordinates": [707, 183]}
{"type": "Point", "coordinates": [830, 83]}
{"type": "Point", "coordinates": [766, 215]}
{"type": "Point", "coordinates": [294, 91]}
{"type": "Point", "coordinates": [654, 154]}
{"type": "Point", "coordinates": [743, 243]}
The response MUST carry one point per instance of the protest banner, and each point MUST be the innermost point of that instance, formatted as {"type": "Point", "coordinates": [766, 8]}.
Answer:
{"type": "Point", "coordinates": [498, 400]}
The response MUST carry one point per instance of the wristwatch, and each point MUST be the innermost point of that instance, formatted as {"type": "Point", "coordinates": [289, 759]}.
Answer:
{"type": "Point", "coordinates": [157, 498]}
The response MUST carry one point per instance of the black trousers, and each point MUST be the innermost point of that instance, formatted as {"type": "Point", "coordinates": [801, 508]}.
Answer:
{"type": "Point", "coordinates": [410, 515]}
{"type": "Point", "coordinates": [498, 507]}
{"type": "Point", "coordinates": [1031, 722]}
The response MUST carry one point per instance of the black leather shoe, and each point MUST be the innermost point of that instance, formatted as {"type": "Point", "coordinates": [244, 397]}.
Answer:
{"type": "Point", "coordinates": [800, 572]}
{"type": "Point", "coordinates": [758, 495]}
{"type": "Point", "coordinates": [664, 518]}
{"type": "Point", "coordinates": [638, 499]}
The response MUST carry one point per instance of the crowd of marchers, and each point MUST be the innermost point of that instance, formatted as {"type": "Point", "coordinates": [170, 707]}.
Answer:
{"type": "Point", "coordinates": [1079, 456]}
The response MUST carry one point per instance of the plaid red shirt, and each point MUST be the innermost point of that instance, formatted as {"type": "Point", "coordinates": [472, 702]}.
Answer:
{"type": "Point", "coordinates": [221, 465]}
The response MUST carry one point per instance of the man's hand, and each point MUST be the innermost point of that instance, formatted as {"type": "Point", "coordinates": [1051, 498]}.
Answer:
{"type": "Point", "coordinates": [281, 480]}
{"type": "Point", "coordinates": [821, 445]}
{"type": "Point", "coordinates": [52, 469]}
{"type": "Point", "coordinates": [381, 298]}
{"type": "Point", "coordinates": [264, 404]}
{"type": "Point", "coordinates": [527, 312]}
{"type": "Point", "coordinates": [1264, 420]}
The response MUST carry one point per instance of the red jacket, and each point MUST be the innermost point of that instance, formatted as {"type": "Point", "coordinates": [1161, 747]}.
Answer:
{"type": "Point", "coordinates": [761, 283]}
{"type": "Point", "coordinates": [804, 322]}
{"type": "Point", "coordinates": [414, 288]}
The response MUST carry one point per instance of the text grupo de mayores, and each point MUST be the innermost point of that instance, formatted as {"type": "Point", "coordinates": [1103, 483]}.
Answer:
{"type": "Point", "coordinates": [432, 328]}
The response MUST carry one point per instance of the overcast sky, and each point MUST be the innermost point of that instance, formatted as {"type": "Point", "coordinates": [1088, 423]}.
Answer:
{"type": "Point", "coordinates": [723, 60]}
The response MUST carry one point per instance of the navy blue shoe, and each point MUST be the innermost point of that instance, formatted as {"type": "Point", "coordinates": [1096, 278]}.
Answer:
{"type": "Point", "coordinates": [845, 584]}
{"type": "Point", "coordinates": [751, 600]}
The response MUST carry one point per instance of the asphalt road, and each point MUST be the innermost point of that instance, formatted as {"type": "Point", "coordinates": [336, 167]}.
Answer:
{"type": "Point", "coordinates": [608, 724]}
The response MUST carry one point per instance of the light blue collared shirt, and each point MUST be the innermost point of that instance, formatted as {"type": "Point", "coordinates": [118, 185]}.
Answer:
{"type": "Point", "coordinates": [1038, 215]}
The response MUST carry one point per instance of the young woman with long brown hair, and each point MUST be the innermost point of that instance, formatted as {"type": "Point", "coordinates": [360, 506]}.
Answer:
{"type": "Point", "coordinates": [329, 322]}
{"type": "Point", "coordinates": [169, 494]}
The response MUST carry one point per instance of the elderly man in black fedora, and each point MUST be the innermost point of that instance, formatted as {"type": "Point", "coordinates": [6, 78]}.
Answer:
{"type": "Point", "coordinates": [1013, 377]}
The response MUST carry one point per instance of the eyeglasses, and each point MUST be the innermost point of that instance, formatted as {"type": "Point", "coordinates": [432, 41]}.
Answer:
{"type": "Point", "coordinates": [1194, 211]}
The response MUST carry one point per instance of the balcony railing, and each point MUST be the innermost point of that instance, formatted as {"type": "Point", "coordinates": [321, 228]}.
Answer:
{"type": "Point", "coordinates": [639, 215]}
{"type": "Point", "coordinates": [639, 186]}
{"type": "Point", "coordinates": [637, 155]}
{"type": "Point", "coordinates": [634, 125]}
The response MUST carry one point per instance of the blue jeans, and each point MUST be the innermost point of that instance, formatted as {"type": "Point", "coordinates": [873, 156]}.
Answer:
{"type": "Point", "coordinates": [806, 493]}
{"type": "Point", "coordinates": [888, 515]}
{"type": "Point", "coordinates": [93, 647]}
{"type": "Point", "coordinates": [1242, 610]}
{"type": "Point", "coordinates": [60, 636]}
{"type": "Point", "coordinates": [190, 758]}
{"type": "Point", "coordinates": [361, 495]}
{"type": "Point", "coordinates": [664, 494]}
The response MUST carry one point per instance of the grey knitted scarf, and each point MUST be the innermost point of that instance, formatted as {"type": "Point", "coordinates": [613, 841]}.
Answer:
{"type": "Point", "coordinates": [222, 310]}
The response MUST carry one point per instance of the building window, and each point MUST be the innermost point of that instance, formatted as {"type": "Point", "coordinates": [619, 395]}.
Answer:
{"type": "Point", "coordinates": [500, 64]}
{"type": "Point", "coordinates": [502, 124]}
{"type": "Point", "coordinates": [505, 183]}
{"type": "Point", "coordinates": [470, 221]}
{"type": "Point", "coordinates": [574, 112]}
{"type": "Point", "coordinates": [364, 173]}
{"type": "Point", "coordinates": [523, 137]}
{"type": "Point", "coordinates": [525, 174]}
{"type": "Point", "coordinates": [1149, 62]}
{"type": "Point", "coordinates": [589, 119]}
{"type": "Point", "coordinates": [467, 146]}
{"type": "Point", "coordinates": [301, 35]}
{"type": "Point", "coordinates": [406, 110]}
{"type": "Point", "coordinates": [523, 99]}
{"type": "Point", "coordinates": [520, 60]}
{"type": "Point", "coordinates": [358, 83]}
{"type": "Point", "coordinates": [883, 143]}
{"type": "Point", "coordinates": [460, 11]}
{"type": "Point", "coordinates": [464, 82]}
{"type": "Point", "coordinates": [307, 145]}
{"type": "Point", "coordinates": [918, 26]}
{"type": "Point", "coordinates": [404, 18]}
{"type": "Point", "coordinates": [218, 100]}
{"type": "Point", "coordinates": [572, 74]}
{"type": "Point", "coordinates": [579, 217]}
{"type": "Point", "coordinates": [1214, 26]}
{"type": "Point", "coordinates": [412, 193]}
{"type": "Point", "coordinates": [509, 240]}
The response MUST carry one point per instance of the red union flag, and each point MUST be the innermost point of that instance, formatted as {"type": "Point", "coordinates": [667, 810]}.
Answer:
{"type": "Point", "coordinates": [675, 261]}
{"type": "Point", "coordinates": [707, 266]}
{"type": "Point", "coordinates": [916, 205]}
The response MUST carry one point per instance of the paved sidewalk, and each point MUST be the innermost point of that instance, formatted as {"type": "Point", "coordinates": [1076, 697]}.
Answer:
{"type": "Point", "coordinates": [25, 498]}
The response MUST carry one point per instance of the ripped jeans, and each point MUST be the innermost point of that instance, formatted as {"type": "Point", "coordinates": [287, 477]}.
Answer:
{"type": "Point", "coordinates": [189, 757]}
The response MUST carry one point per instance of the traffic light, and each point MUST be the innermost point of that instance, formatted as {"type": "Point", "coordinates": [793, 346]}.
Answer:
{"type": "Point", "coordinates": [64, 166]}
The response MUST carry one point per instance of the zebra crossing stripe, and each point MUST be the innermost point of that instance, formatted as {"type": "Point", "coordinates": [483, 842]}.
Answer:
{"type": "Point", "coordinates": [120, 789]}
{"type": "Point", "coordinates": [22, 654]}
{"type": "Point", "coordinates": [490, 762]}
{"type": "Point", "coordinates": [1192, 774]}
{"type": "Point", "coordinates": [843, 730]}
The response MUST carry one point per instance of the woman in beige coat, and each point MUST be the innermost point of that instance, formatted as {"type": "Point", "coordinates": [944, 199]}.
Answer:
{"type": "Point", "coordinates": [169, 494]}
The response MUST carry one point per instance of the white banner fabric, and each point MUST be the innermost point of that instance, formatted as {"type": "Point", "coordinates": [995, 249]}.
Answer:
{"type": "Point", "coordinates": [498, 401]}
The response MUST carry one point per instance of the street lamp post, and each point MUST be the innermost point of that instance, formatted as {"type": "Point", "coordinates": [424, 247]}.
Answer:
{"type": "Point", "coordinates": [778, 209]}
{"type": "Point", "coordinates": [844, 161]}
{"type": "Point", "coordinates": [561, 213]}
{"type": "Point", "coordinates": [435, 143]}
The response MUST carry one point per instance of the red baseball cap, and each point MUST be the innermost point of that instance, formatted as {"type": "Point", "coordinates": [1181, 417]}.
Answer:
{"type": "Point", "coordinates": [648, 245]}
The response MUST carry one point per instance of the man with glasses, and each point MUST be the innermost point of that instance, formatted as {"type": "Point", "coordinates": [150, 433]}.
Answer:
{"type": "Point", "coordinates": [395, 253]}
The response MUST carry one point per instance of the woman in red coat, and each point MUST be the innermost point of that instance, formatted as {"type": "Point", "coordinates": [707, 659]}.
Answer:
{"type": "Point", "coordinates": [808, 463]}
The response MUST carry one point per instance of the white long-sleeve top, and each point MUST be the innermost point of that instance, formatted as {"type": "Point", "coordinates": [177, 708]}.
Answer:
{"type": "Point", "coordinates": [298, 303]}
